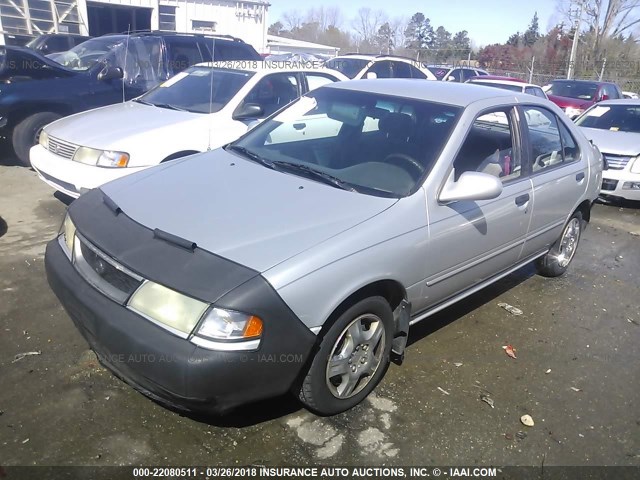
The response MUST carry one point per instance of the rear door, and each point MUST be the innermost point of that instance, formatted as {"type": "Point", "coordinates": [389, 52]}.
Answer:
{"type": "Point", "coordinates": [182, 52]}
{"type": "Point", "coordinates": [558, 175]}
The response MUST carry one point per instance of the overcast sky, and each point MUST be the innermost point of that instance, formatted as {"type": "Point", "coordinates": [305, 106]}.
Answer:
{"type": "Point", "coordinates": [488, 21]}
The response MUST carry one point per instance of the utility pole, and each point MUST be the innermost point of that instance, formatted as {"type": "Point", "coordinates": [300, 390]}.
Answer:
{"type": "Point", "coordinates": [574, 45]}
{"type": "Point", "coordinates": [604, 64]}
{"type": "Point", "coordinates": [533, 61]}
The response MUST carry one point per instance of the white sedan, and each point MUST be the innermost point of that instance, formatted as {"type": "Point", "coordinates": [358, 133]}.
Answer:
{"type": "Point", "coordinates": [202, 108]}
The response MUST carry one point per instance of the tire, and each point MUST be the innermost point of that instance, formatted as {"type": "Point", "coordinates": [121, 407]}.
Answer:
{"type": "Point", "coordinates": [558, 259]}
{"type": "Point", "coordinates": [26, 133]}
{"type": "Point", "coordinates": [361, 364]}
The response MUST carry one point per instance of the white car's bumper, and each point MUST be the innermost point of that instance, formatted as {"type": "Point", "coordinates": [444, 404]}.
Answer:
{"type": "Point", "coordinates": [621, 183]}
{"type": "Point", "coordinates": [72, 178]}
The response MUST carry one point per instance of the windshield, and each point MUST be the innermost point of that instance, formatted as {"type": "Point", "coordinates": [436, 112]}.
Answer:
{"type": "Point", "coordinates": [617, 118]}
{"type": "Point", "coordinates": [579, 90]}
{"type": "Point", "coordinates": [87, 54]}
{"type": "Point", "coordinates": [191, 90]}
{"type": "Point", "coordinates": [513, 88]}
{"type": "Point", "coordinates": [374, 144]}
{"type": "Point", "coordinates": [349, 67]}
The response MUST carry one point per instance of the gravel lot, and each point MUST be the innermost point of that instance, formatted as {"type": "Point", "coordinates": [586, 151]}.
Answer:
{"type": "Point", "coordinates": [577, 373]}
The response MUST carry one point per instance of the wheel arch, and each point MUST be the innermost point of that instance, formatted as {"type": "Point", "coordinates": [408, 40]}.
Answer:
{"type": "Point", "coordinates": [585, 209]}
{"type": "Point", "coordinates": [22, 112]}
{"type": "Point", "coordinates": [391, 290]}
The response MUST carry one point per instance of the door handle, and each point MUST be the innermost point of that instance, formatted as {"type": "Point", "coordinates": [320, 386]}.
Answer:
{"type": "Point", "coordinates": [522, 199]}
{"type": "Point", "coordinates": [579, 177]}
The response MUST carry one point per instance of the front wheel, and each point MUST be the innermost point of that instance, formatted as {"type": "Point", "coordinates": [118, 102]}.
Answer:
{"type": "Point", "coordinates": [557, 260]}
{"type": "Point", "coordinates": [26, 134]}
{"type": "Point", "coordinates": [352, 359]}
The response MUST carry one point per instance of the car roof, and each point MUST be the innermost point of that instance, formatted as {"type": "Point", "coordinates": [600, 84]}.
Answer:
{"type": "Point", "coordinates": [515, 83]}
{"type": "Point", "coordinates": [621, 101]}
{"type": "Point", "coordinates": [566, 80]}
{"type": "Point", "coordinates": [270, 66]}
{"type": "Point", "coordinates": [452, 93]}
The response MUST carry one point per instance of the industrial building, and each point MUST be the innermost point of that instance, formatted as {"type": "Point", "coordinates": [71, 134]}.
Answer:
{"type": "Point", "coordinates": [21, 20]}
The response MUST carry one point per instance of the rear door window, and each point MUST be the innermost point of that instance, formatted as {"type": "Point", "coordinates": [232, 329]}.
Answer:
{"type": "Point", "coordinates": [551, 145]}
{"type": "Point", "coordinates": [182, 52]}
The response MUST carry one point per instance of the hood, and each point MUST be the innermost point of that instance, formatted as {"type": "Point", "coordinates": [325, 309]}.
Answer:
{"type": "Point", "coordinates": [615, 143]}
{"type": "Point", "coordinates": [20, 63]}
{"type": "Point", "coordinates": [113, 126]}
{"type": "Point", "coordinates": [239, 209]}
{"type": "Point", "coordinates": [564, 102]}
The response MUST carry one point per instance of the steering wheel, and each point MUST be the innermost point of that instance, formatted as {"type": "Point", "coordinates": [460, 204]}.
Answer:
{"type": "Point", "coordinates": [403, 160]}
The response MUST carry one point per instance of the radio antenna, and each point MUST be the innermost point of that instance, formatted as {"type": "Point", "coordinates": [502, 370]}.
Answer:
{"type": "Point", "coordinates": [124, 67]}
{"type": "Point", "coordinates": [213, 54]}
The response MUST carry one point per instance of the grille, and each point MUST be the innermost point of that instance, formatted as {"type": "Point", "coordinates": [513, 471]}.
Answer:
{"type": "Point", "coordinates": [616, 162]}
{"type": "Point", "coordinates": [61, 148]}
{"type": "Point", "coordinates": [104, 273]}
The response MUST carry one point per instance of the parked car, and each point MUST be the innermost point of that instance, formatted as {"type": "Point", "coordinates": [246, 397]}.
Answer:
{"type": "Point", "coordinates": [183, 116]}
{"type": "Point", "coordinates": [37, 90]}
{"type": "Point", "coordinates": [48, 43]}
{"type": "Point", "coordinates": [614, 126]}
{"type": "Point", "coordinates": [630, 95]}
{"type": "Point", "coordinates": [297, 257]}
{"type": "Point", "coordinates": [575, 96]}
{"type": "Point", "coordinates": [456, 74]}
{"type": "Point", "coordinates": [358, 66]}
{"type": "Point", "coordinates": [512, 85]}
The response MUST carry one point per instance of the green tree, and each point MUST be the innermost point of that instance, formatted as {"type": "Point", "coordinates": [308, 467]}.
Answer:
{"type": "Point", "coordinates": [442, 44]}
{"type": "Point", "coordinates": [532, 34]}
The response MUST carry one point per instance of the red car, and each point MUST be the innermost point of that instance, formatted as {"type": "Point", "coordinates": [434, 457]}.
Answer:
{"type": "Point", "coordinates": [575, 96]}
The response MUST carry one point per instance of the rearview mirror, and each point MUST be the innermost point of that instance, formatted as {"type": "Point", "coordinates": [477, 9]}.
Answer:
{"type": "Point", "coordinates": [471, 186]}
{"type": "Point", "coordinates": [110, 72]}
{"type": "Point", "coordinates": [248, 110]}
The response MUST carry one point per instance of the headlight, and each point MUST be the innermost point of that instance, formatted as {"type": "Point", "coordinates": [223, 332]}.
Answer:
{"type": "Point", "coordinates": [101, 158]}
{"type": "Point", "coordinates": [174, 310]}
{"type": "Point", "coordinates": [86, 155]}
{"type": "Point", "coordinates": [635, 166]}
{"type": "Point", "coordinates": [44, 139]}
{"type": "Point", "coordinates": [69, 232]}
{"type": "Point", "coordinates": [573, 112]}
{"type": "Point", "coordinates": [113, 159]}
{"type": "Point", "coordinates": [220, 324]}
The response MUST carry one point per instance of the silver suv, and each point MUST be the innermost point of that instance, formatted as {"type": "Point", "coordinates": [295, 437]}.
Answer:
{"type": "Point", "coordinates": [297, 257]}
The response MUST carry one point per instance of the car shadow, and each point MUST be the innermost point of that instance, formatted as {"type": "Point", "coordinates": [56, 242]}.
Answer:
{"type": "Point", "coordinates": [3, 227]}
{"type": "Point", "coordinates": [618, 202]}
{"type": "Point", "coordinates": [7, 157]}
{"type": "Point", "coordinates": [266, 410]}
{"type": "Point", "coordinates": [460, 309]}
{"type": "Point", "coordinates": [247, 415]}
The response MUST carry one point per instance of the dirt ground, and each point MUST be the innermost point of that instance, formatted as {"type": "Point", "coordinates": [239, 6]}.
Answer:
{"type": "Point", "coordinates": [577, 373]}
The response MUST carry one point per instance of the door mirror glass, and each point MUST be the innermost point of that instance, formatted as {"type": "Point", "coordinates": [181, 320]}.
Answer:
{"type": "Point", "coordinates": [110, 72]}
{"type": "Point", "coordinates": [248, 110]}
{"type": "Point", "coordinates": [471, 186]}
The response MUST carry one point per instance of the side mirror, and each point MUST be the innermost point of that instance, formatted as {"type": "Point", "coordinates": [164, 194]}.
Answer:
{"type": "Point", "coordinates": [248, 110]}
{"type": "Point", "coordinates": [110, 72]}
{"type": "Point", "coordinates": [372, 75]}
{"type": "Point", "coordinates": [604, 97]}
{"type": "Point", "coordinates": [471, 186]}
{"type": "Point", "coordinates": [451, 78]}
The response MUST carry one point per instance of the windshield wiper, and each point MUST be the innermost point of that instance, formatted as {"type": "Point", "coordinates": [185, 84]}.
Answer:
{"type": "Point", "coordinates": [317, 174]}
{"type": "Point", "coordinates": [169, 106]}
{"type": "Point", "coordinates": [250, 155]}
{"type": "Point", "coordinates": [139, 100]}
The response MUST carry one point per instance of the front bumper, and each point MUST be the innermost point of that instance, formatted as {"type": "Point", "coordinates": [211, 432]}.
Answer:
{"type": "Point", "coordinates": [72, 178]}
{"type": "Point", "coordinates": [172, 370]}
{"type": "Point", "coordinates": [618, 183]}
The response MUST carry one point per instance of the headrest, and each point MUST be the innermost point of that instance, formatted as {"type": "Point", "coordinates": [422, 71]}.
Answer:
{"type": "Point", "coordinates": [396, 125]}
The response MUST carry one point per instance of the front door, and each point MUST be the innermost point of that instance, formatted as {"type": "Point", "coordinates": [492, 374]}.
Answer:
{"type": "Point", "coordinates": [471, 241]}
